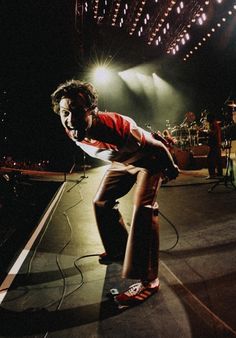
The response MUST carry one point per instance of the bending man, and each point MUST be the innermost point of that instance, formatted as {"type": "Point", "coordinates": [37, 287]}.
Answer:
{"type": "Point", "coordinates": [135, 157]}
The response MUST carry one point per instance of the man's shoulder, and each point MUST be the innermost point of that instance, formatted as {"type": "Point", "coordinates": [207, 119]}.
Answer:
{"type": "Point", "coordinates": [111, 116]}
{"type": "Point", "coordinates": [107, 114]}
{"type": "Point", "coordinates": [115, 120]}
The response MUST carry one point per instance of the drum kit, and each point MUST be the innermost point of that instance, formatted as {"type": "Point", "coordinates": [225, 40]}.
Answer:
{"type": "Point", "coordinates": [190, 134]}
{"type": "Point", "coordinates": [187, 136]}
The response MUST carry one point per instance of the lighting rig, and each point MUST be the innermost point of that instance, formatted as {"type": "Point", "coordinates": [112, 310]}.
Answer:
{"type": "Point", "coordinates": [175, 27]}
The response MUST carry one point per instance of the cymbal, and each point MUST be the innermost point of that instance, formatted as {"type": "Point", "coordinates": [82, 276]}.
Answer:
{"type": "Point", "coordinates": [231, 103]}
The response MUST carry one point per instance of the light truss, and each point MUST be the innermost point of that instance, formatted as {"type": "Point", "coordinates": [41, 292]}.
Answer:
{"type": "Point", "coordinates": [168, 25]}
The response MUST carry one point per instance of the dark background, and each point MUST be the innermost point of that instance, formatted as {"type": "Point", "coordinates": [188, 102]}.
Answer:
{"type": "Point", "coordinates": [41, 48]}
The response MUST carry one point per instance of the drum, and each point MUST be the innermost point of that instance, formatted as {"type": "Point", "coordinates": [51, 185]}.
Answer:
{"type": "Point", "coordinates": [182, 158]}
{"type": "Point", "coordinates": [181, 134]}
{"type": "Point", "coordinates": [203, 137]}
{"type": "Point", "coordinates": [175, 131]}
{"type": "Point", "coordinates": [184, 132]}
{"type": "Point", "coordinates": [193, 135]}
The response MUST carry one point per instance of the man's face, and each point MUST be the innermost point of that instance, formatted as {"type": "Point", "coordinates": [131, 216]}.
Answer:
{"type": "Point", "coordinates": [75, 116]}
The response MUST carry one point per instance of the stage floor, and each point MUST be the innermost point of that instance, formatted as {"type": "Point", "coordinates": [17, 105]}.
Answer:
{"type": "Point", "coordinates": [55, 287]}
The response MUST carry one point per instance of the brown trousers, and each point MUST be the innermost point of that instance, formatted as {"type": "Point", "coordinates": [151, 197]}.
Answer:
{"type": "Point", "coordinates": [141, 245]}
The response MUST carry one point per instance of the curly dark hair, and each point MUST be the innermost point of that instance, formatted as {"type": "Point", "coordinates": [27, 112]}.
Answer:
{"type": "Point", "coordinates": [70, 89]}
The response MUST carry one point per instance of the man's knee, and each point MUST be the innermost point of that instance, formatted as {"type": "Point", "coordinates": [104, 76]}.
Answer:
{"type": "Point", "coordinates": [98, 203]}
{"type": "Point", "coordinates": [151, 208]}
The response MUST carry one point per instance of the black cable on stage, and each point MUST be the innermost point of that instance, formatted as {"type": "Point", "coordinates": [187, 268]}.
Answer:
{"type": "Point", "coordinates": [176, 232]}
{"type": "Point", "coordinates": [64, 294]}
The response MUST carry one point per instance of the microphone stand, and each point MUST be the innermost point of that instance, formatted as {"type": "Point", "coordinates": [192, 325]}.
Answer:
{"type": "Point", "coordinates": [84, 166]}
{"type": "Point", "coordinates": [229, 175]}
{"type": "Point", "coordinates": [82, 177]}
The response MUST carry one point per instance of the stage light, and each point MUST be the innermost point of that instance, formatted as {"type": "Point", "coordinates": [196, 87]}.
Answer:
{"type": "Point", "coordinates": [102, 74]}
{"type": "Point", "coordinates": [169, 101]}
{"type": "Point", "coordinates": [130, 78]}
{"type": "Point", "coordinates": [200, 21]}
{"type": "Point", "coordinates": [138, 80]}
{"type": "Point", "coordinates": [146, 83]}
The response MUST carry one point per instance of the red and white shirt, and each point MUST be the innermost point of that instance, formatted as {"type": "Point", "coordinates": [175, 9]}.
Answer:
{"type": "Point", "coordinates": [114, 137]}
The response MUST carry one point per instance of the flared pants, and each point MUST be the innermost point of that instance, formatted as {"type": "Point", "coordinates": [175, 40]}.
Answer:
{"type": "Point", "coordinates": [141, 244]}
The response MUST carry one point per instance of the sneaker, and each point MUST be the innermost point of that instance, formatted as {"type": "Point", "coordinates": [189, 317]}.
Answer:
{"type": "Point", "coordinates": [136, 294]}
{"type": "Point", "coordinates": [211, 177]}
{"type": "Point", "coordinates": [107, 259]}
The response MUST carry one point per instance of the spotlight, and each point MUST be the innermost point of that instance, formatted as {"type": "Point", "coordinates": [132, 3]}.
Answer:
{"type": "Point", "coordinates": [102, 74]}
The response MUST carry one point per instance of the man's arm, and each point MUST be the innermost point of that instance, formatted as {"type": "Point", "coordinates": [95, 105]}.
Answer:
{"type": "Point", "coordinates": [162, 158]}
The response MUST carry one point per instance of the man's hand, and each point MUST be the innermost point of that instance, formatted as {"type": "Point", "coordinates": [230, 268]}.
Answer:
{"type": "Point", "coordinates": [171, 172]}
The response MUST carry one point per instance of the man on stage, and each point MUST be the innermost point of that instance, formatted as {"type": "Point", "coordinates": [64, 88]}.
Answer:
{"type": "Point", "coordinates": [136, 157]}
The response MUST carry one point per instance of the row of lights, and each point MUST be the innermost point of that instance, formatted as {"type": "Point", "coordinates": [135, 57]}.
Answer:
{"type": "Point", "coordinates": [199, 18]}
{"type": "Point", "coordinates": [137, 18]}
{"type": "Point", "coordinates": [116, 11]}
{"type": "Point", "coordinates": [86, 6]}
{"type": "Point", "coordinates": [209, 34]}
{"type": "Point", "coordinates": [140, 7]}
{"type": "Point", "coordinates": [163, 26]}
{"type": "Point", "coordinates": [161, 22]}
{"type": "Point", "coordinates": [95, 8]}
{"type": "Point", "coordinates": [183, 36]}
{"type": "Point", "coordinates": [181, 39]}
{"type": "Point", "coordinates": [145, 21]}
{"type": "Point", "coordinates": [126, 7]}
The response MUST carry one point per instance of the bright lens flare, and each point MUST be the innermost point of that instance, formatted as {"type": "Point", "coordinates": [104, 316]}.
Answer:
{"type": "Point", "coordinates": [102, 75]}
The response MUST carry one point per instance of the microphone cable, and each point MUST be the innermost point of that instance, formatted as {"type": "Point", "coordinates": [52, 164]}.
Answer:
{"type": "Point", "coordinates": [175, 230]}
